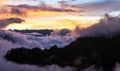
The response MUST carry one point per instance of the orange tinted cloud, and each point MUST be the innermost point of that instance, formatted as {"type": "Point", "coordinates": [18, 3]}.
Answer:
{"type": "Point", "coordinates": [47, 10]}
{"type": "Point", "coordinates": [7, 11]}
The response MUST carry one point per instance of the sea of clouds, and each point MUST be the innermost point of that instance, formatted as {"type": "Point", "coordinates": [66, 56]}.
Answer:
{"type": "Point", "coordinates": [107, 26]}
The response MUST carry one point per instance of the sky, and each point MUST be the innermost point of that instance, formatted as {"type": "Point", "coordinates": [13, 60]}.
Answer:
{"type": "Point", "coordinates": [56, 14]}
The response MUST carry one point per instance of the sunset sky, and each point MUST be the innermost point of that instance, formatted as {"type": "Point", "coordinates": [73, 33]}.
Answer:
{"type": "Point", "coordinates": [56, 14]}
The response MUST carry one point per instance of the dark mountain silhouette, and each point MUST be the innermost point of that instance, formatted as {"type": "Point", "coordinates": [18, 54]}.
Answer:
{"type": "Point", "coordinates": [82, 53]}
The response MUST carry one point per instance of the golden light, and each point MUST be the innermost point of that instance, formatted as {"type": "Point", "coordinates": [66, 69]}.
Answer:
{"type": "Point", "coordinates": [55, 24]}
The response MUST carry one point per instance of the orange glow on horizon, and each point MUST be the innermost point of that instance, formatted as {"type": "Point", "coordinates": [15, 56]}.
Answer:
{"type": "Point", "coordinates": [46, 19]}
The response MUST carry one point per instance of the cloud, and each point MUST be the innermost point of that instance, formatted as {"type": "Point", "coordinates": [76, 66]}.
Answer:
{"type": "Point", "coordinates": [11, 66]}
{"type": "Point", "coordinates": [45, 7]}
{"type": "Point", "coordinates": [62, 32]}
{"type": "Point", "coordinates": [23, 11]}
{"type": "Point", "coordinates": [28, 41]}
{"type": "Point", "coordinates": [75, 6]}
{"type": "Point", "coordinates": [16, 11]}
{"type": "Point", "coordinates": [108, 5]}
{"type": "Point", "coordinates": [7, 12]}
{"type": "Point", "coordinates": [107, 26]}
{"type": "Point", "coordinates": [101, 7]}
{"type": "Point", "coordinates": [20, 40]}
{"type": "Point", "coordinates": [8, 21]}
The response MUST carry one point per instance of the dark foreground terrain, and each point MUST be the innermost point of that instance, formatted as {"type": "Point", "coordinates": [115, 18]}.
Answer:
{"type": "Point", "coordinates": [85, 51]}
